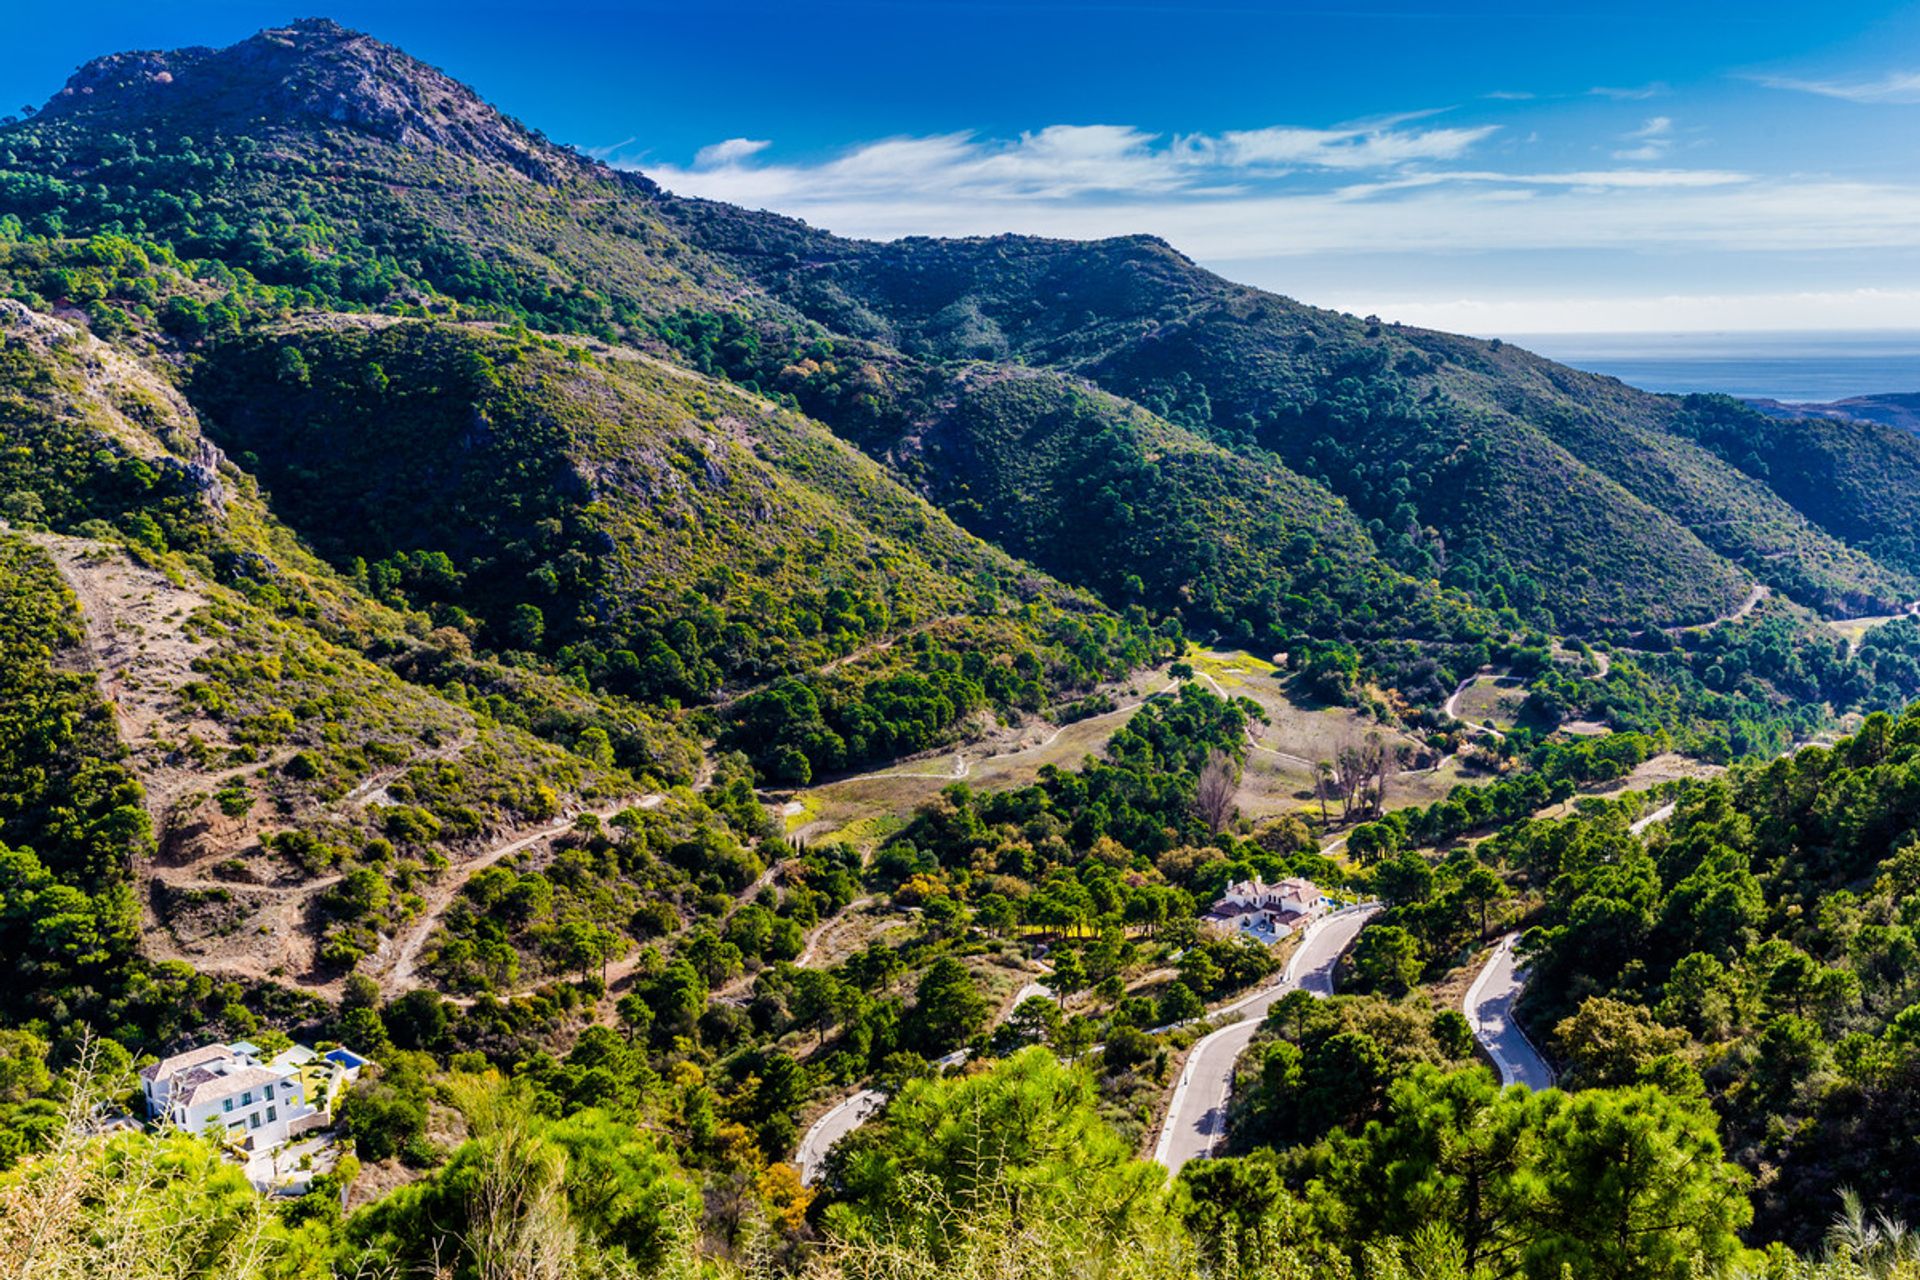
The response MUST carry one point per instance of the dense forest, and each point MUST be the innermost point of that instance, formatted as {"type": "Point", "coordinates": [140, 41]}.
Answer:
{"type": "Point", "coordinates": [654, 681]}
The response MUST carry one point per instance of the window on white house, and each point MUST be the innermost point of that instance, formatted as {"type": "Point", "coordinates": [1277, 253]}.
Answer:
{"type": "Point", "coordinates": [254, 1120]}
{"type": "Point", "coordinates": [272, 1114]}
{"type": "Point", "coordinates": [226, 1104]}
{"type": "Point", "coordinates": [246, 1099]}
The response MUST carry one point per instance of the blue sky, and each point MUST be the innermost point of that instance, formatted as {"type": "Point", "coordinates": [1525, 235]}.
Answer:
{"type": "Point", "coordinates": [1489, 167]}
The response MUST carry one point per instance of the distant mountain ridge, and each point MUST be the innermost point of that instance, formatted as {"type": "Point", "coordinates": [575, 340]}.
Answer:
{"type": "Point", "coordinates": [1897, 409]}
{"type": "Point", "coordinates": [1368, 482]}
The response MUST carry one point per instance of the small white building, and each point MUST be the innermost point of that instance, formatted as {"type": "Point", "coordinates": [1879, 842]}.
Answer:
{"type": "Point", "coordinates": [255, 1105]}
{"type": "Point", "coordinates": [1266, 911]}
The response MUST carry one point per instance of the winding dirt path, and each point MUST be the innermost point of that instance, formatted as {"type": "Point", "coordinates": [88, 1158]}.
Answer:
{"type": "Point", "coordinates": [820, 931]}
{"type": "Point", "coordinates": [402, 974]}
{"type": "Point", "coordinates": [1759, 592]}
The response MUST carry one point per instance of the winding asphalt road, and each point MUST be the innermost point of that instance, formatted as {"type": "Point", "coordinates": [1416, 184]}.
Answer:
{"type": "Point", "coordinates": [1197, 1118]}
{"type": "Point", "coordinates": [1488, 1007]}
{"type": "Point", "coordinates": [833, 1126]}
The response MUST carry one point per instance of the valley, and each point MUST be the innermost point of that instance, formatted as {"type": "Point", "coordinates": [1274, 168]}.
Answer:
{"type": "Point", "coordinates": [780, 754]}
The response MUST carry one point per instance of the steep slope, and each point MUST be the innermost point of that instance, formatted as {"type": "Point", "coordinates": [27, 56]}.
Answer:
{"type": "Point", "coordinates": [1101, 492]}
{"type": "Point", "coordinates": [323, 165]}
{"type": "Point", "coordinates": [314, 168]}
{"type": "Point", "coordinates": [1489, 466]}
{"type": "Point", "coordinates": [1854, 479]}
{"type": "Point", "coordinates": [294, 794]}
{"type": "Point", "coordinates": [670, 537]}
{"type": "Point", "coordinates": [1896, 409]}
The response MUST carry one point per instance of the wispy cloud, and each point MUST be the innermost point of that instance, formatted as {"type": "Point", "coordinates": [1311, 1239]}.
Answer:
{"type": "Point", "coordinates": [1902, 87]}
{"type": "Point", "coordinates": [1402, 186]}
{"type": "Point", "coordinates": [1649, 312]}
{"type": "Point", "coordinates": [1635, 93]}
{"type": "Point", "coordinates": [1348, 148]}
{"type": "Point", "coordinates": [732, 151]}
{"type": "Point", "coordinates": [1651, 140]}
{"type": "Point", "coordinates": [1590, 179]}
{"type": "Point", "coordinates": [1631, 210]}
{"type": "Point", "coordinates": [1065, 162]}
{"type": "Point", "coordinates": [611, 150]}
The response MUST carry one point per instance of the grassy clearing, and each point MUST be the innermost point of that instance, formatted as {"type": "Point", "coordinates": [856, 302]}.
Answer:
{"type": "Point", "coordinates": [1855, 629]}
{"type": "Point", "coordinates": [1487, 699]}
{"type": "Point", "coordinates": [1277, 779]}
{"type": "Point", "coordinates": [1279, 772]}
{"type": "Point", "coordinates": [860, 808]}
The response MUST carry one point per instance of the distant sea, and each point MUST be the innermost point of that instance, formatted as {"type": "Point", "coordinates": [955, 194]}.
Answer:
{"type": "Point", "coordinates": [1795, 367]}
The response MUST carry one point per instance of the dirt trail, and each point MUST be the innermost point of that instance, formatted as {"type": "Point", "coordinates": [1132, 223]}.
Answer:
{"type": "Point", "coordinates": [136, 642]}
{"type": "Point", "coordinates": [821, 930]}
{"type": "Point", "coordinates": [373, 788]}
{"type": "Point", "coordinates": [613, 974]}
{"type": "Point", "coordinates": [963, 767]}
{"type": "Point", "coordinates": [402, 974]}
{"type": "Point", "coordinates": [1452, 705]}
{"type": "Point", "coordinates": [1759, 592]}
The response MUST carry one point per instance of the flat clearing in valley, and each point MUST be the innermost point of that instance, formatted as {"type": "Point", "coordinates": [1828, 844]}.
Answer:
{"type": "Point", "coordinates": [1492, 698]}
{"type": "Point", "coordinates": [1278, 777]}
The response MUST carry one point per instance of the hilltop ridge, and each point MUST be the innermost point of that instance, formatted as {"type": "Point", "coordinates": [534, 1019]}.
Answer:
{"type": "Point", "coordinates": [313, 69]}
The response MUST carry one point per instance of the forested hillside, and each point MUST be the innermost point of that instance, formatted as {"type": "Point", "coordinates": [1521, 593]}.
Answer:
{"type": "Point", "coordinates": [1480, 465]}
{"type": "Point", "coordinates": [741, 734]}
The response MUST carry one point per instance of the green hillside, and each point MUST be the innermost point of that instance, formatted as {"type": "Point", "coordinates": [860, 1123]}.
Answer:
{"type": "Point", "coordinates": [1582, 502]}
{"type": "Point", "coordinates": [742, 731]}
{"type": "Point", "coordinates": [668, 538]}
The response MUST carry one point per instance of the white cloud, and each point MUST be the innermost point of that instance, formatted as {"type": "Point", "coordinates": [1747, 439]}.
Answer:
{"type": "Point", "coordinates": [1901, 87]}
{"type": "Point", "coordinates": [1653, 140]}
{"type": "Point", "coordinates": [1597, 179]}
{"type": "Point", "coordinates": [1373, 148]}
{"type": "Point", "coordinates": [1444, 213]}
{"type": "Point", "coordinates": [1063, 162]}
{"type": "Point", "coordinates": [1255, 201]}
{"type": "Point", "coordinates": [730, 152]}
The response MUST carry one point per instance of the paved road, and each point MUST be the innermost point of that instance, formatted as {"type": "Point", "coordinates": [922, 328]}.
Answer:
{"type": "Point", "coordinates": [1488, 1007]}
{"type": "Point", "coordinates": [1197, 1116]}
{"type": "Point", "coordinates": [833, 1126]}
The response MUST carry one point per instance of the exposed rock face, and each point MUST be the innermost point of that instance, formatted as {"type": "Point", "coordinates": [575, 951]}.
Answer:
{"type": "Point", "coordinates": [312, 69]}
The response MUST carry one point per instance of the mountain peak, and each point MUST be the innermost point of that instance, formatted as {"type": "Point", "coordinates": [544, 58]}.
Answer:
{"type": "Point", "coordinates": [310, 72]}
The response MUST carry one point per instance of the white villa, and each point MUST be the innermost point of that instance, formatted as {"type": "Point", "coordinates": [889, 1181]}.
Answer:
{"type": "Point", "coordinates": [1268, 912]}
{"type": "Point", "coordinates": [257, 1105]}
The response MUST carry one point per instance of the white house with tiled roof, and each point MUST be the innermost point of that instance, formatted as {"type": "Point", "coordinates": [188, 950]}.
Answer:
{"type": "Point", "coordinates": [1266, 911]}
{"type": "Point", "coordinates": [257, 1105]}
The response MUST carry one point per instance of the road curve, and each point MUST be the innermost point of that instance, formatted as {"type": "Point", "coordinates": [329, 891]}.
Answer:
{"type": "Point", "coordinates": [849, 1115]}
{"type": "Point", "coordinates": [1488, 1006]}
{"type": "Point", "coordinates": [1197, 1116]}
{"type": "Point", "coordinates": [1451, 707]}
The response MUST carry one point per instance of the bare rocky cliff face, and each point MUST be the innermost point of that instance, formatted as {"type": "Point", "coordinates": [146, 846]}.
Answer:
{"type": "Point", "coordinates": [312, 70]}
